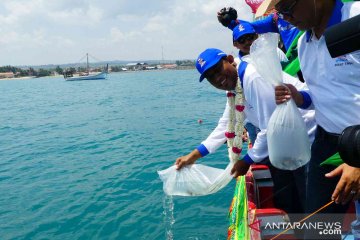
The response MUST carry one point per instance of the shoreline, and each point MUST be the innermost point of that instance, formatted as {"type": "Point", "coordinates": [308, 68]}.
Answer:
{"type": "Point", "coordinates": [26, 78]}
{"type": "Point", "coordinates": [16, 78]}
{"type": "Point", "coordinates": [128, 71]}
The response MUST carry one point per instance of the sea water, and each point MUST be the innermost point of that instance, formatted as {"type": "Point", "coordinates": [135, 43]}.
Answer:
{"type": "Point", "coordinates": [78, 160]}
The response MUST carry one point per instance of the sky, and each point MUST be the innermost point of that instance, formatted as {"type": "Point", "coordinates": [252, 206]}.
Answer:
{"type": "Point", "coordinates": [38, 32]}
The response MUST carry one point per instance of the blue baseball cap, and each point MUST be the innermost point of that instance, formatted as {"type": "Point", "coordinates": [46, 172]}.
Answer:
{"type": "Point", "coordinates": [242, 29]}
{"type": "Point", "coordinates": [207, 59]}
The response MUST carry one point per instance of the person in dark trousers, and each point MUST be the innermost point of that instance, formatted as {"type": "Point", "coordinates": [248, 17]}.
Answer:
{"type": "Point", "coordinates": [334, 93]}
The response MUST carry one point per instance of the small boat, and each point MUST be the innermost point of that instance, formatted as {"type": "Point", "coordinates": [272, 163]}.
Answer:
{"type": "Point", "coordinates": [68, 75]}
{"type": "Point", "coordinates": [97, 76]}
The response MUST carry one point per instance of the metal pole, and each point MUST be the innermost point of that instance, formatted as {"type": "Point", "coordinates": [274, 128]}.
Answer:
{"type": "Point", "coordinates": [87, 63]}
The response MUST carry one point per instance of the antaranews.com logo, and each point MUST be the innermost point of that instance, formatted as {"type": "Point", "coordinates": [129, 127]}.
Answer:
{"type": "Point", "coordinates": [322, 228]}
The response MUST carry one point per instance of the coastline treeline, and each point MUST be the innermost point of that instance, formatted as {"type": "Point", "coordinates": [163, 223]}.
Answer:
{"type": "Point", "coordinates": [19, 72]}
{"type": "Point", "coordinates": [43, 72]}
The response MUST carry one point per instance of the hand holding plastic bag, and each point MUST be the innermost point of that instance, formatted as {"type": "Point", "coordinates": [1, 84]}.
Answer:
{"type": "Point", "coordinates": [288, 141]}
{"type": "Point", "coordinates": [194, 180]}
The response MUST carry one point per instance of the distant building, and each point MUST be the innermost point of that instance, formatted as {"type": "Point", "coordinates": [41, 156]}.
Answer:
{"type": "Point", "coordinates": [7, 75]}
{"type": "Point", "coordinates": [136, 66]}
{"type": "Point", "coordinates": [169, 66]}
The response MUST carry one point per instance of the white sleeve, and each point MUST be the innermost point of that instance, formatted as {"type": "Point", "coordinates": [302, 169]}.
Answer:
{"type": "Point", "coordinates": [217, 137]}
{"type": "Point", "coordinates": [260, 94]}
{"type": "Point", "coordinates": [259, 151]}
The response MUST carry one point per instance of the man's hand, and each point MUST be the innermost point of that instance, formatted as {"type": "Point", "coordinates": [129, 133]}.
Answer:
{"type": "Point", "coordinates": [348, 187]}
{"type": "Point", "coordinates": [240, 168]}
{"type": "Point", "coordinates": [187, 159]}
{"type": "Point", "coordinates": [285, 92]}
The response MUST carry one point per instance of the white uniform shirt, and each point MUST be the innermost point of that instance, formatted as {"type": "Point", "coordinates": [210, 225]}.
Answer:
{"type": "Point", "coordinates": [260, 94]}
{"type": "Point", "coordinates": [334, 83]}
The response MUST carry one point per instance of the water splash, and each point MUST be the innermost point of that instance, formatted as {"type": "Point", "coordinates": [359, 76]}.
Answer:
{"type": "Point", "coordinates": [168, 213]}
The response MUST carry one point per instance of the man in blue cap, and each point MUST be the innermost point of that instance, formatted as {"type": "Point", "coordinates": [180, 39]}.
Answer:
{"type": "Point", "coordinates": [217, 68]}
{"type": "Point", "coordinates": [271, 23]}
{"type": "Point", "coordinates": [289, 34]}
{"type": "Point", "coordinates": [217, 137]}
{"type": "Point", "coordinates": [244, 34]}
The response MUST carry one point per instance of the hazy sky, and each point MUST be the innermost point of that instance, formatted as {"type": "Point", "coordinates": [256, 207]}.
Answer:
{"type": "Point", "coordinates": [35, 32]}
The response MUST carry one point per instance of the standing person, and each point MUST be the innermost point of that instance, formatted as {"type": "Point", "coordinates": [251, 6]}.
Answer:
{"type": "Point", "coordinates": [256, 89]}
{"type": "Point", "coordinates": [289, 35]}
{"type": "Point", "coordinates": [271, 23]}
{"type": "Point", "coordinates": [217, 137]}
{"type": "Point", "coordinates": [219, 71]}
{"type": "Point", "coordinates": [334, 92]}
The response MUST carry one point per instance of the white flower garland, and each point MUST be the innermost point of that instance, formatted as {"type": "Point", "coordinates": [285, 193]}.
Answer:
{"type": "Point", "coordinates": [235, 129]}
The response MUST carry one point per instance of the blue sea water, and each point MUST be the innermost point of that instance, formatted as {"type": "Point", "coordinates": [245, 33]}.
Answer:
{"type": "Point", "coordinates": [79, 160]}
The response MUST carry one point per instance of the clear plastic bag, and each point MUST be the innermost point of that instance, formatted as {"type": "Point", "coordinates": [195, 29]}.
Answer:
{"type": "Point", "coordinates": [288, 141]}
{"type": "Point", "coordinates": [194, 180]}
{"type": "Point", "coordinates": [264, 57]}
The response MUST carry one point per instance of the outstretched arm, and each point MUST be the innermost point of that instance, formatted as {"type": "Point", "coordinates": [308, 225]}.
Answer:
{"type": "Point", "coordinates": [210, 144]}
{"type": "Point", "coordinates": [228, 18]}
{"type": "Point", "coordinates": [265, 25]}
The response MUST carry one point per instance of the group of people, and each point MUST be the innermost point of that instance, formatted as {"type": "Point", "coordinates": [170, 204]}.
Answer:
{"type": "Point", "coordinates": [329, 101]}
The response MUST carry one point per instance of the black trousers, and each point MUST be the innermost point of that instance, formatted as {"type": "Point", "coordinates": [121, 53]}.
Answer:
{"type": "Point", "coordinates": [320, 188]}
{"type": "Point", "coordinates": [289, 189]}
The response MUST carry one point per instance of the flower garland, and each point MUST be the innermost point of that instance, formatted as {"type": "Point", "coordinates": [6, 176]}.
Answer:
{"type": "Point", "coordinates": [238, 218]}
{"type": "Point", "coordinates": [235, 126]}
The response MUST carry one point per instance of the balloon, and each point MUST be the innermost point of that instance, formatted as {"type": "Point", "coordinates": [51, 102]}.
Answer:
{"type": "Point", "coordinates": [254, 4]}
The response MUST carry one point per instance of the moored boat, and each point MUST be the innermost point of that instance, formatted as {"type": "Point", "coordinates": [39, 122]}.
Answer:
{"type": "Point", "coordinates": [87, 75]}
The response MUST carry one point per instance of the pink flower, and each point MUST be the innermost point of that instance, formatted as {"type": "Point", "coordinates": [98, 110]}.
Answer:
{"type": "Point", "coordinates": [230, 94]}
{"type": "Point", "coordinates": [236, 150]}
{"type": "Point", "coordinates": [229, 134]}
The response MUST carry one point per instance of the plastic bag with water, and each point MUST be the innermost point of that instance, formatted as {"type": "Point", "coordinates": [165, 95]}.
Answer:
{"type": "Point", "coordinates": [288, 141]}
{"type": "Point", "coordinates": [194, 180]}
